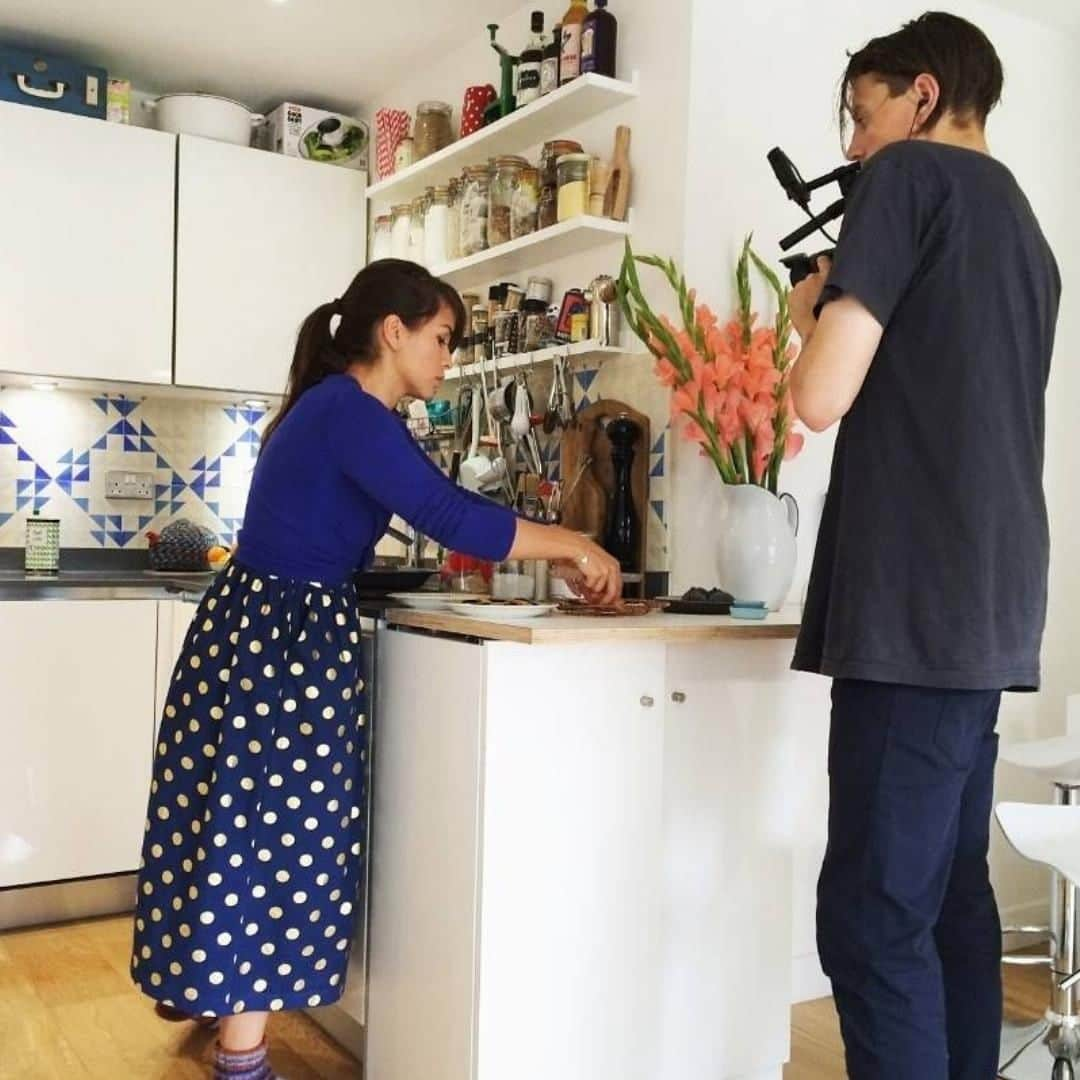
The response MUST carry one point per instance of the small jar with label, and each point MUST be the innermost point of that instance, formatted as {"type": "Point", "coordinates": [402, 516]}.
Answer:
{"type": "Point", "coordinates": [382, 238]}
{"type": "Point", "coordinates": [508, 172]}
{"type": "Point", "coordinates": [400, 230]}
{"type": "Point", "coordinates": [435, 228]}
{"type": "Point", "coordinates": [573, 171]}
{"type": "Point", "coordinates": [416, 230]}
{"type": "Point", "coordinates": [432, 130]}
{"type": "Point", "coordinates": [404, 154]}
{"type": "Point", "coordinates": [525, 204]}
{"type": "Point", "coordinates": [474, 210]}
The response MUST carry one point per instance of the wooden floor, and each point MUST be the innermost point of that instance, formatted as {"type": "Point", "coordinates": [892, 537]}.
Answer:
{"type": "Point", "coordinates": [68, 1009]}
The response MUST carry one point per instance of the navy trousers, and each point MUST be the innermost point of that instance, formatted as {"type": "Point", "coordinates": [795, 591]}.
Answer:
{"type": "Point", "coordinates": [908, 929]}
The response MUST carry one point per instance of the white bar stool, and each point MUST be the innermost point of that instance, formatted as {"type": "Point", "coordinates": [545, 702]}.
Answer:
{"type": "Point", "coordinates": [1050, 1048]}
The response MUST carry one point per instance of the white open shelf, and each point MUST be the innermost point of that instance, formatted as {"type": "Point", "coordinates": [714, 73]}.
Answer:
{"type": "Point", "coordinates": [547, 118]}
{"type": "Point", "coordinates": [566, 238]}
{"type": "Point", "coordinates": [578, 350]}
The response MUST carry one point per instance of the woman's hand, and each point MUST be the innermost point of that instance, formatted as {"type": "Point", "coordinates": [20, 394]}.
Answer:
{"type": "Point", "coordinates": [804, 297]}
{"type": "Point", "coordinates": [593, 574]}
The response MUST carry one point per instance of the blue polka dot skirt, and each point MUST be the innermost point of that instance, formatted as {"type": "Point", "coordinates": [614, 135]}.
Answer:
{"type": "Point", "coordinates": [253, 856]}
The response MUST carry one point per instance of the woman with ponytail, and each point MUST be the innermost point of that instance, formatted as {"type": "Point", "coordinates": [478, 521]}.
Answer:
{"type": "Point", "coordinates": [252, 858]}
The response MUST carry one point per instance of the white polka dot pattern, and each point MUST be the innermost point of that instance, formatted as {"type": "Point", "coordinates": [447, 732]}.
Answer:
{"type": "Point", "coordinates": [257, 814]}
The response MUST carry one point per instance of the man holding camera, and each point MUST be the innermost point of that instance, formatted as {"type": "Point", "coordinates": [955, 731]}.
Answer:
{"type": "Point", "coordinates": [930, 338]}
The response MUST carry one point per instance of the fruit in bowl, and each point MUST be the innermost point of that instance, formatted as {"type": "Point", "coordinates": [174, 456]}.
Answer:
{"type": "Point", "coordinates": [217, 558]}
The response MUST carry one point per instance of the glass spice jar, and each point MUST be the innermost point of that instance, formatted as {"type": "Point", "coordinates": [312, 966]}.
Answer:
{"type": "Point", "coordinates": [435, 224]}
{"type": "Point", "coordinates": [405, 154]}
{"type": "Point", "coordinates": [525, 204]}
{"type": "Point", "coordinates": [573, 171]}
{"type": "Point", "coordinates": [416, 230]}
{"type": "Point", "coordinates": [547, 210]}
{"type": "Point", "coordinates": [382, 238]}
{"type": "Point", "coordinates": [453, 221]}
{"type": "Point", "coordinates": [474, 210]}
{"type": "Point", "coordinates": [549, 158]}
{"type": "Point", "coordinates": [400, 229]}
{"type": "Point", "coordinates": [431, 131]}
{"type": "Point", "coordinates": [508, 171]}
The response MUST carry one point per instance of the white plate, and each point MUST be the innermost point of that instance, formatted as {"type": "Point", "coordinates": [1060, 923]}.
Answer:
{"type": "Point", "coordinates": [430, 601]}
{"type": "Point", "coordinates": [502, 612]}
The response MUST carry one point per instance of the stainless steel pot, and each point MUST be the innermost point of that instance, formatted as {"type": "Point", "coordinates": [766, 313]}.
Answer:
{"type": "Point", "coordinates": [206, 115]}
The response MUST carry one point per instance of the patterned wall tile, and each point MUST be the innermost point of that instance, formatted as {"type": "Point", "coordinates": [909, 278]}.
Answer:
{"type": "Point", "coordinates": [56, 449]}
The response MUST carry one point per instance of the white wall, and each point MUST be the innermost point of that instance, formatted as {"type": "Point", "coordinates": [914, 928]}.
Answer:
{"type": "Point", "coordinates": [767, 74]}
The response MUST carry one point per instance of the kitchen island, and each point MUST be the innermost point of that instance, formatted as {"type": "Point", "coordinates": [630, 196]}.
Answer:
{"type": "Point", "coordinates": [577, 863]}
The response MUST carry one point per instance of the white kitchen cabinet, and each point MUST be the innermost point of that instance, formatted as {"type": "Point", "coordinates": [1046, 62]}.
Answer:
{"type": "Point", "coordinates": [262, 240]}
{"type": "Point", "coordinates": [578, 861]}
{"type": "Point", "coordinates": [173, 619]}
{"type": "Point", "coordinates": [78, 695]}
{"type": "Point", "coordinates": [86, 256]}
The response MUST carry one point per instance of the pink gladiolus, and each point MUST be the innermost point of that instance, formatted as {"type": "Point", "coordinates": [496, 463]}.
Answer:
{"type": "Point", "coordinates": [666, 372]}
{"type": "Point", "coordinates": [793, 446]}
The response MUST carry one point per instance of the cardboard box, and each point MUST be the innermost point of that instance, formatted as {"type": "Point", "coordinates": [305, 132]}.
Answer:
{"type": "Point", "coordinates": [317, 135]}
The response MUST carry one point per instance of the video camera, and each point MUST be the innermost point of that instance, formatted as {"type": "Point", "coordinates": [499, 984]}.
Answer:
{"type": "Point", "coordinates": [799, 191]}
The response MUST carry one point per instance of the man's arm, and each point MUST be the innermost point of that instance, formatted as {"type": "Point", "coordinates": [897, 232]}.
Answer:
{"type": "Point", "coordinates": [836, 352]}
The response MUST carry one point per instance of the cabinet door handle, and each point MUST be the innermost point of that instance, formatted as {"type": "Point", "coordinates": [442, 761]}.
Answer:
{"type": "Point", "coordinates": [647, 702]}
{"type": "Point", "coordinates": [678, 697]}
{"type": "Point", "coordinates": [55, 94]}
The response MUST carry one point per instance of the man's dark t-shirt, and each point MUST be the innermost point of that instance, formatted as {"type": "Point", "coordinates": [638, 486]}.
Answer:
{"type": "Point", "coordinates": [931, 561]}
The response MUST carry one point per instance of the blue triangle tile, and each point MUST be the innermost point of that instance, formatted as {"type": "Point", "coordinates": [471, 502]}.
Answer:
{"type": "Point", "coordinates": [177, 507]}
{"type": "Point", "coordinates": [125, 406]}
{"type": "Point", "coordinates": [213, 508]}
{"type": "Point", "coordinates": [99, 537]}
{"type": "Point", "coordinates": [162, 463]}
{"type": "Point", "coordinates": [250, 436]}
{"type": "Point", "coordinates": [5, 438]}
{"type": "Point", "coordinates": [177, 483]}
{"type": "Point", "coordinates": [117, 428]}
{"type": "Point", "coordinates": [130, 444]}
{"type": "Point", "coordinates": [67, 458]}
{"type": "Point", "coordinates": [23, 455]}
{"type": "Point", "coordinates": [231, 414]}
{"type": "Point", "coordinates": [5, 420]}
{"type": "Point", "coordinates": [199, 465]}
{"type": "Point", "coordinates": [658, 468]}
{"type": "Point", "coordinates": [83, 504]}
{"type": "Point", "coordinates": [584, 403]}
{"type": "Point", "coordinates": [5, 518]}
{"type": "Point", "coordinates": [98, 519]}
{"type": "Point", "coordinates": [102, 404]}
{"type": "Point", "coordinates": [40, 504]}
{"type": "Point", "coordinates": [658, 508]}
{"type": "Point", "coordinates": [41, 485]}
{"type": "Point", "coordinates": [83, 458]}
{"type": "Point", "coordinates": [160, 489]}
{"type": "Point", "coordinates": [22, 486]}
{"type": "Point", "coordinates": [214, 466]}
{"type": "Point", "coordinates": [145, 429]}
{"type": "Point", "coordinates": [101, 444]}
{"type": "Point", "coordinates": [585, 378]}
{"type": "Point", "coordinates": [22, 500]}
{"type": "Point", "coordinates": [83, 477]}
{"type": "Point", "coordinates": [116, 521]}
{"type": "Point", "coordinates": [213, 480]}
{"type": "Point", "coordinates": [65, 486]}
{"type": "Point", "coordinates": [231, 452]}
{"type": "Point", "coordinates": [65, 477]}
{"type": "Point", "coordinates": [41, 474]}
{"type": "Point", "coordinates": [145, 520]}
{"type": "Point", "coordinates": [658, 446]}
{"type": "Point", "coordinates": [124, 537]}
{"type": "Point", "coordinates": [198, 485]}
{"type": "Point", "coordinates": [145, 447]}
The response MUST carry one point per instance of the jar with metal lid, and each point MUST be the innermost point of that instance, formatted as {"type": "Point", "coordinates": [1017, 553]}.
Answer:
{"type": "Point", "coordinates": [474, 210]}
{"type": "Point", "coordinates": [525, 203]}
{"type": "Point", "coordinates": [549, 157]}
{"type": "Point", "coordinates": [416, 230]}
{"type": "Point", "coordinates": [508, 172]}
{"type": "Point", "coordinates": [573, 171]}
{"type": "Point", "coordinates": [400, 230]}
{"type": "Point", "coordinates": [453, 220]}
{"type": "Point", "coordinates": [431, 131]}
{"type": "Point", "coordinates": [436, 217]}
{"type": "Point", "coordinates": [539, 289]}
{"type": "Point", "coordinates": [382, 238]}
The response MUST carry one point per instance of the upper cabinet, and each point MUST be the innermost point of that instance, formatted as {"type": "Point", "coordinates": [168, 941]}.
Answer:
{"type": "Point", "coordinates": [86, 247]}
{"type": "Point", "coordinates": [262, 239]}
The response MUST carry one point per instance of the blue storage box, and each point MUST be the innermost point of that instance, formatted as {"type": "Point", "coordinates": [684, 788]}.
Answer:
{"type": "Point", "coordinates": [52, 82]}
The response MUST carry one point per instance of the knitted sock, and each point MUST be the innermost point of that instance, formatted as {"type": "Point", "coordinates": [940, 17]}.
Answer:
{"type": "Point", "coordinates": [243, 1064]}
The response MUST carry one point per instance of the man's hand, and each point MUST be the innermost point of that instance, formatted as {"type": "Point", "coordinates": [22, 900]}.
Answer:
{"type": "Point", "coordinates": [804, 298]}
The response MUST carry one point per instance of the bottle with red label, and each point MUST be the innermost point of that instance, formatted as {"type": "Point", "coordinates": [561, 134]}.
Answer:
{"type": "Point", "coordinates": [570, 55]}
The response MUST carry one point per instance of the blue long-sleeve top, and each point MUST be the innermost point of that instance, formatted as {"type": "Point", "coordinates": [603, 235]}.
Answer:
{"type": "Point", "coordinates": [331, 476]}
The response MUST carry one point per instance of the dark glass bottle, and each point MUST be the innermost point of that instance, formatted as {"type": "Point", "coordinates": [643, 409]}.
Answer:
{"type": "Point", "coordinates": [549, 67]}
{"type": "Point", "coordinates": [622, 532]}
{"type": "Point", "coordinates": [598, 38]}
{"type": "Point", "coordinates": [528, 77]}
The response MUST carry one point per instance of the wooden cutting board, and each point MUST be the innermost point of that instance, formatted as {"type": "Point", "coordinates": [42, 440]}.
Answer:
{"type": "Point", "coordinates": [586, 509]}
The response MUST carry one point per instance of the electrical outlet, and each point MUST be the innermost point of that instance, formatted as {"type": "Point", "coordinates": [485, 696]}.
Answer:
{"type": "Point", "coordinates": [129, 485]}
